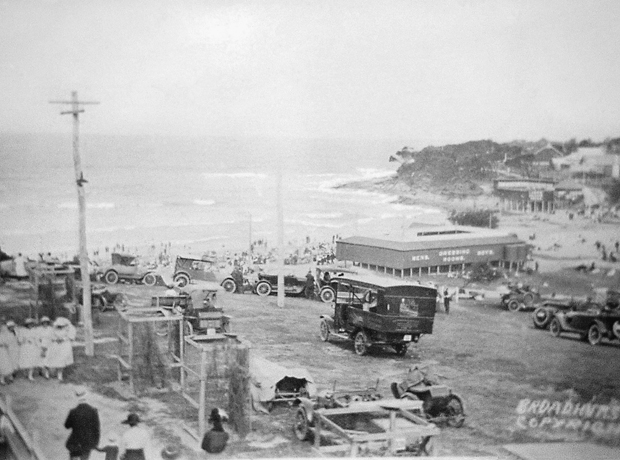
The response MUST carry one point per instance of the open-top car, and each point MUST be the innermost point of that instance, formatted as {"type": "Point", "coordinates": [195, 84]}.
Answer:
{"type": "Point", "coordinates": [127, 267]}
{"type": "Point", "coordinates": [268, 284]}
{"type": "Point", "coordinates": [596, 323]}
{"type": "Point", "coordinates": [374, 311]}
{"type": "Point", "coordinates": [521, 298]}
{"type": "Point", "coordinates": [544, 314]}
{"type": "Point", "coordinates": [325, 282]}
{"type": "Point", "coordinates": [188, 268]}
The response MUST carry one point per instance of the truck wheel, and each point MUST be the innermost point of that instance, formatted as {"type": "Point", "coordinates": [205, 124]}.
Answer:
{"type": "Point", "coordinates": [514, 305]}
{"type": "Point", "coordinates": [301, 426]}
{"type": "Point", "coordinates": [263, 288]}
{"type": "Point", "coordinates": [594, 335]}
{"type": "Point", "coordinates": [111, 277]}
{"type": "Point", "coordinates": [454, 412]}
{"type": "Point", "coordinates": [555, 327]}
{"type": "Point", "coordinates": [327, 295]}
{"type": "Point", "coordinates": [149, 279]}
{"type": "Point", "coordinates": [361, 344]}
{"type": "Point", "coordinates": [324, 327]}
{"type": "Point", "coordinates": [181, 280]}
{"type": "Point", "coordinates": [229, 285]}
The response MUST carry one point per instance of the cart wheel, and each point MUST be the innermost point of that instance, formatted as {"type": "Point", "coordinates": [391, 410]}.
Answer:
{"type": "Point", "coordinates": [401, 349]}
{"type": "Point", "coordinates": [428, 447]}
{"type": "Point", "coordinates": [229, 285]}
{"type": "Point", "coordinates": [327, 295]}
{"type": "Point", "coordinates": [541, 318]}
{"type": "Point", "coordinates": [361, 343]}
{"type": "Point", "coordinates": [555, 327]}
{"type": "Point", "coordinates": [263, 288]}
{"type": "Point", "coordinates": [188, 329]}
{"type": "Point", "coordinates": [514, 305]}
{"type": "Point", "coordinates": [99, 303]}
{"type": "Point", "coordinates": [181, 280]}
{"type": "Point", "coordinates": [149, 279]}
{"type": "Point", "coordinates": [324, 330]}
{"type": "Point", "coordinates": [594, 335]}
{"type": "Point", "coordinates": [111, 277]}
{"type": "Point", "coordinates": [455, 412]}
{"type": "Point", "coordinates": [301, 426]}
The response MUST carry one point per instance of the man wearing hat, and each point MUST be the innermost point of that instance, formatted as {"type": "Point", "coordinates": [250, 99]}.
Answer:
{"type": "Point", "coordinates": [135, 440]}
{"type": "Point", "coordinates": [83, 420]}
{"type": "Point", "coordinates": [214, 440]}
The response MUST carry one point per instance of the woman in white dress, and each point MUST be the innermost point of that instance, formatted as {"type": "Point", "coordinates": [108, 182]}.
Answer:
{"type": "Point", "coordinates": [13, 346]}
{"type": "Point", "coordinates": [6, 364]}
{"type": "Point", "coordinates": [46, 336]}
{"type": "Point", "coordinates": [29, 348]}
{"type": "Point", "coordinates": [60, 354]}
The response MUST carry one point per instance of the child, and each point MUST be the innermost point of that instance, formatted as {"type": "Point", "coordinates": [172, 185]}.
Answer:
{"type": "Point", "coordinates": [111, 447]}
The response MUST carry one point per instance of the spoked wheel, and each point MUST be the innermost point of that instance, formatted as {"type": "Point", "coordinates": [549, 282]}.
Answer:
{"type": "Point", "coordinates": [301, 426]}
{"type": "Point", "coordinates": [181, 280]}
{"type": "Point", "coordinates": [400, 349]}
{"type": "Point", "coordinates": [541, 318]}
{"type": "Point", "coordinates": [111, 277]}
{"type": "Point", "coordinates": [514, 305]}
{"type": "Point", "coordinates": [149, 279]}
{"type": "Point", "coordinates": [555, 327]}
{"type": "Point", "coordinates": [327, 295]}
{"type": "Point", "coordinates": [263, 289]}
{"type": "Point", "coordinates": [324, 330]}
{"type": "Point", "coordinates": [455, 412]}
{"type": "Point", "coordinates": [229, 285]}
{"type": "Point", "coordinates": [594, 335]}
{"type": "Point", "coordinates": [361, 344]}
{"type": "Point", "coordinates": [99, 303]}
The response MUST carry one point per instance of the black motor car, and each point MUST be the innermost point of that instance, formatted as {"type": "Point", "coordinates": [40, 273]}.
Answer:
{"type": "Point", "coordinates": [596, 323]}
{"type": "Point", "coordinates": [268, 284]}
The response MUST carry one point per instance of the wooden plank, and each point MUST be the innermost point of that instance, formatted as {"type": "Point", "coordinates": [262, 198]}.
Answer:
{"type": "Point", "coordinates": [336, 428]}
{"type": "Point", "coordinates": [190, 400]}
{"type": "Point", "coordinates": [34, 451]}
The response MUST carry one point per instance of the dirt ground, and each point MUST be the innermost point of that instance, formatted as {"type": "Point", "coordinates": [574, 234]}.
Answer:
{"type": "Point", "coordinates": [491, 357]}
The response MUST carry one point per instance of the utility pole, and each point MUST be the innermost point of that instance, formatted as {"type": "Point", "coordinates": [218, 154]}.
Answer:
{"type": "Point", "coordinates": [80, 181]}
{"type": "Point", "coordinates": [280, 218]}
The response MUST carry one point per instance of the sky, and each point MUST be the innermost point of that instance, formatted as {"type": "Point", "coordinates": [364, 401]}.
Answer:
{"type": "Point", "coordinates": [446, 70]}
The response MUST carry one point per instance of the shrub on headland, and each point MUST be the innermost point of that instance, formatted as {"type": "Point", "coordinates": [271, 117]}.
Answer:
{"type": "Point", "coordinates": [475, 218]}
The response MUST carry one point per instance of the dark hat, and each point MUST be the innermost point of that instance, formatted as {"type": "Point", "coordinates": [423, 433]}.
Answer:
{"type": "Point", "coordinates": [215, 416]}
{"type": "Point", "coordinates": [132, 419]}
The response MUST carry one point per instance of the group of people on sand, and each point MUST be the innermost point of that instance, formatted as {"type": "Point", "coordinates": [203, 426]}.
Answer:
{"type": "Point", "coordinates": [44, 347]}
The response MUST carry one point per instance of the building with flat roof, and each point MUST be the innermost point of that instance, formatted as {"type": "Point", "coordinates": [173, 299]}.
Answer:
{"type": "Point", "coordinates": [434, 250]}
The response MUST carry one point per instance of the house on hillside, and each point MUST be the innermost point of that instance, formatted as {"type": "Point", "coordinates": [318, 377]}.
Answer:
{"type": "Point", "coordinates": [589, 162]}
{"type": "Point", "coordinates": [542, 159]}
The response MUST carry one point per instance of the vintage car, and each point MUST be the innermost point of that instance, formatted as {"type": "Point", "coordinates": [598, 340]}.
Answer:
{"type": "Point", "coordinates": [374, 311]}
{"type": "Point", "coordinates": [324, 279]}
{"type": "Point", "coordinates": [188, 268]}
{"type": "Point", "coordinates": [126, 267]}
{"type": "Point", "coordinates": [268, 284]}
{"type": "Point", "coordinates": [596, 323]}
{"type": "Point", "coordinates": [200, 308]}
{"type": "Point", "coordinates": [520, 298]}
{"type": "Point", "coordinates": [544, 314]}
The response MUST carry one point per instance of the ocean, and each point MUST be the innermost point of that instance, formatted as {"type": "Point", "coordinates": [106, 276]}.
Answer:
{"type": "Point", "coordinates": [198, 194]}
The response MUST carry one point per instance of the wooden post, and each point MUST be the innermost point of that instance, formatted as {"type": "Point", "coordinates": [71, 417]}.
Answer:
{"type": "Point", "coordinates": [130, 357]}
{"type": "Point", "coordinates": [182, 353]}
{"type": "Point", "coordinates": [86, 316]}
{"type": "Point", "coordinates": [203, 392]}
{"type": "Point", "coordinates": [280, 213]}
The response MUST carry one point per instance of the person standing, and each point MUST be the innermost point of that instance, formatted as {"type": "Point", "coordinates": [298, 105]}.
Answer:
{"type": "Point", "coordinates": [60, 354]}
{"type": "Point", "coordinates": [309, 289]}
{"type": "Point", "coordinates": [135, 440]}
{"type": "Point", "coordinates": [215, 440]}
{"type": "Point", "coordinates": [20, 266]}
{"type": "Point", "coordinates": [83, 421]}
{"type": "Point", "coordinates": [446, 301]}
{"type": "Point", "coordinates": [46, 337]}
{"type": "Point", "coordinates": [29, 350]}
{"type": "Point", "coordinates": [13, 347]}
{"type": "Point", "coordinates": [6, 363]}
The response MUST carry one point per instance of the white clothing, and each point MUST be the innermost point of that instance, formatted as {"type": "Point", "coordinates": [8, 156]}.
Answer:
{"type": "Point", "coordinates": [6, 363]}
{"type": "Point", "coordinates": [29, 348]}
{"type": "Point", "coordinates": [20, 266]}
{"type": "Point", "coordinates": [60, 354]}
{"type": "Point", "coordinates": [46, 335]}
{"type": "Point", "coordinates": [136, 437]}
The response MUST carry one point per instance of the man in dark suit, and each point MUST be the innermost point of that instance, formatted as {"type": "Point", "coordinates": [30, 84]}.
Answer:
{"type": "Point", "coordinates": [83, 420]}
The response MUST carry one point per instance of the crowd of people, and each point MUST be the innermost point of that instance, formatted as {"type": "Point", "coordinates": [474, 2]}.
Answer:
{"type": "Point", "coordinates": [43, 347]}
